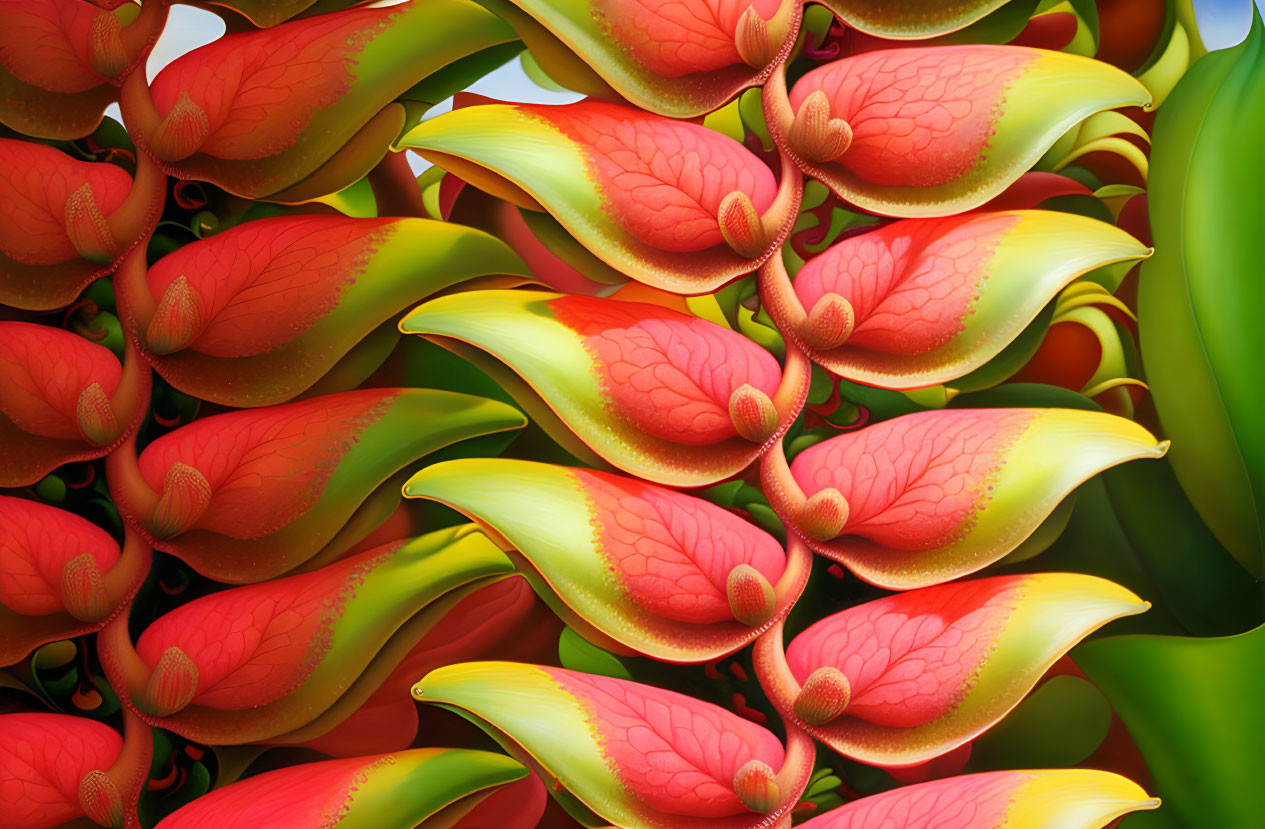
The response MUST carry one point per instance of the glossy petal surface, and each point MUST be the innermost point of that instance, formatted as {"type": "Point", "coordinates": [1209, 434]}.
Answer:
{"type": "Point", "coordinates": [674, 57]}
{"type": "Point", "coordinates": [283, 480]}
{"type": "Point", "coordinates": [644, 387]}
{"type": "Point", "coordinates": [42, 759]}
{"type": "Point", "coordinates": [269, 306]}
{"type": "Point", "coordinates": [936, 495]}
{"type": "Point", "coordinates": [645, 565]}
{"type": "Point", "coordinates": [1055, 799]}
{"type": "Point", "coordinates": [640, 191]}
{"type": "Point", "coordinates": [939, 130]}
{"type": "Point", "coordinates": [639, 756]}
{"type": "Point", "coordinates": [931, 669]}
{"type": "Point", "coordinates": [389, 790]}
{"type": "Point", "coordinates": [934, 299]}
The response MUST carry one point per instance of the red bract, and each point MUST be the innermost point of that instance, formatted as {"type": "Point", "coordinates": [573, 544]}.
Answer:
{"type": "Point", "coordinates": [902, 680]}
{"type": "Point", "coordinates": [61, 61]}
{"type": "Point", "coordinates": [403, 789]}
{"type": "Point", "coordinates": [631, 566]}
{"type": "Point", "coordinates": [259, 313]}
{"type": "Point", "coordinates": [248, 495]}
{"type": "Point", "coordinates": [62, 399]}
{"type": "Point", "coordinates": [669, 203]}
{"type": "Point", "coordinates": [675, 58]}
{"type": "Point", "coordinates": [259, 113]}
{"type": "Point", "coordinates": [65, 222]}
{"type": "Point", "coordinates": [56, 769]}
{"type": "Point", "coordinates": [257, 662]}
{"type": "Point", "coordinates": [658, 393]}
{"type": "Point", "coordinates": [932, 496]}
{"type": "Point", "coordinates": [59, 576]}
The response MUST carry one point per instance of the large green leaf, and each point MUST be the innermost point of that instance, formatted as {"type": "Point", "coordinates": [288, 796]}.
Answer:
{"type": "Point", "coordinates": [1199, 298]}
{"type": "Point", "coordinates": [1194, 708]}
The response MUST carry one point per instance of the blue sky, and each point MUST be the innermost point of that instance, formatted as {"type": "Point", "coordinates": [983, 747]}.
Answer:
{"type": "Point", "coordinates": [1221, 22]}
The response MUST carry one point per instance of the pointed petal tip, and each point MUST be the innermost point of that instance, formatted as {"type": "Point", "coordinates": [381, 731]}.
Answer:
{"type": "Point", "coordinates": [87, 227]}
{"type": "Point", "coordinates": [186, 495]}
{"type": "Point", "coordinates": [753, 414]}
{"type": "Point", "coordinates": [172, 684]}
{"type": "Point", "coordinates": [824, 696]}
{"type": "Point", "coordinates": [100, 799]}
{"type": "Point", "coordinates": [107, 54]}
{"type": "Point", "coordinates": [740, 225]}
{"type": "Point", "coordinates": [95, 414]}
{"type": "Point", "coordinates": [829, 323]}
{"type": "Point", "coordinates": [815, 135]}
{"type": "Point", "coordinates": [182, 131]}
{"type": "Point", "coordinates": [823, 516]}
{"type": "Point", "coordinates": [752, 600]}
{"type": "Point", "coordinates": [178, 319]}
{"type": "Point", "coordinates": [83, 589]}
{"type": "Point", "coordinates": [755, 784]}
{"type": "Point", "coordinates": [752, 40]}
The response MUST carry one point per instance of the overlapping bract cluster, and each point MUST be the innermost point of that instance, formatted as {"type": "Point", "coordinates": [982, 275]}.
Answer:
{"type": "Point", "coordinates": [328, 601]}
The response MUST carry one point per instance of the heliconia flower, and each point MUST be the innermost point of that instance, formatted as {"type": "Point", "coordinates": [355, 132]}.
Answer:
{"type": "Point", "coordinates": [907, 678]}
{"type": "Point", "coordinates": [657, 571]}
{"type": "Point", "coordinates": [248, 495]}
{"type": "Point", "coordinates": [387, 791]}
{"type": "Point", "coordinates": [932, 496]}
{"type": "Point", "coordinates": [1047, 799]}
{"type": "Point", "coordinates": [913, 20]}
{"type": "Point", "coordinates": [636, 755]}
{"type": "Point", "coordinates": [62, 399]}
{"type": "Point", "coordinates": [56, 769]}
{"type": "Point", "coordinates": [663, 395]}
{"type": "Point", "coordinates": [679, 59]}
{"type": "Point", "coordinates": [485, 619]}
{"type": "Point", "coordinates": [302, 109]}
{"type": "Point", "coordinates": [257, 661]}
{"type": "Point", "coordinates": [921, 302]}
{"type": "Point", "coordinates": [257, 314]}
{"type": "Point", "coordinates": [618, 180]}
{"type": "Point", "coordinates": [60, 576]}
{"type": "Point", "coordinates": [65, 222]}
{"type": "Point", "coordinates": [60, 63]}
{"type": "Point", "coordinates": [933, 131]}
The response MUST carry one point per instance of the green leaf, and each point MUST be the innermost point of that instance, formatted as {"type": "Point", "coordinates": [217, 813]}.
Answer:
{"type": "Point", "coordinates": [1199, 298]}
{"type": "Point", "coordinates": [1193, 706]}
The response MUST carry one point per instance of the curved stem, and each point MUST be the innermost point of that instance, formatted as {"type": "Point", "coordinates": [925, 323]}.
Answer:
{"type": "Point", "coordinates": [129, 572]}
{"type": "Point", "coordinates": [778, 115]}
{"type": "Point", "coordinates": [138, 214]}
{"type": "Point", "coordinates": [781, 688]}
{"type": "Point", "coordinates": [140, 115]}
{"type": "Point", "coordinates": [784, 493]}
{"type": "Point", "coordinates": [134, 497]}
{"type": "Point", "coordinates": [778, 296]}
{"type": "Point", "coordinates": [799, 564]}
{"type": "Point", "coordinates": [395, 187]}
{"type": "Point", "coordinates": [779, 684]}
{"type": "Point", "coordinates": [784, 209]}
{"type": "Point", "coordinates": [131, 293]}
{"type": "Point", "coordinates": [131, 768]}
{"type": "Point", "coordinates": [124, 668]}
{"type": "Point", "coordinates": [149, 23]}
{"type": "Point", "coordinates": [131, 397]}
{"type": "Point", "coordinates": [792, 391]}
